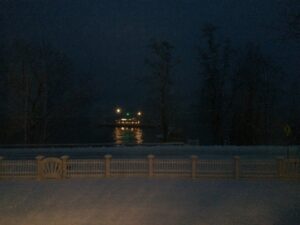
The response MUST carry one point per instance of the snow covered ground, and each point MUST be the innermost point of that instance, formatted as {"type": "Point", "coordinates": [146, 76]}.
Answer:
{"type": "Point", "coordinates": [145, 201]}
{"type": "Point", "coordinates": [167, 150]}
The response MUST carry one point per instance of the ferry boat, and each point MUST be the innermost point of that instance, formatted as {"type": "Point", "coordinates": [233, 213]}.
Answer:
{"type": "Point", "coordinates": [128, 122]}
{"type": "Point", "coordinates": [128, 119]}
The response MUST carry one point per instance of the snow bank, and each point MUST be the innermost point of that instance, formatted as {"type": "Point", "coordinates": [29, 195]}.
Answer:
{"type": "Point", "coordinates": [182, 151]}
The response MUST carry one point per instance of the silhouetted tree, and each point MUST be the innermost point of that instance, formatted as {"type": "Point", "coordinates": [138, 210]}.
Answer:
{"type": "Point", "coordinates": [4, 128]}
{"type": "Point", "coordinates": [293, 19]}
{"type": "Point", "coordinates": [36, 79]}
{"type": "Point", "coordinates": [161, 65]}
{"type": "Point", "coordinates": [214, 63]}
{"type": "Point", "coordinates": [254, 91]}
{"type": "Point", "coordinates": [289, 25]}
{"type": "Point", "coordinates": [293, 118]}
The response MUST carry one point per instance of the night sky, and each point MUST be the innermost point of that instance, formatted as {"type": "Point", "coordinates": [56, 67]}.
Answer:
{"type": "Point", "coordinates": [109, 38]}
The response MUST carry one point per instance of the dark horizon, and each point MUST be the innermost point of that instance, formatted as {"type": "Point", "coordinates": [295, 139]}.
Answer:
{"type": "Point", "coordinates": [98, 51]}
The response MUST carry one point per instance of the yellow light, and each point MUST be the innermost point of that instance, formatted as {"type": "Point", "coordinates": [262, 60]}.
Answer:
{"type": "Point", "coordinates": [118, 110]}
{"type": "Point", "coordinates": [139, 113]}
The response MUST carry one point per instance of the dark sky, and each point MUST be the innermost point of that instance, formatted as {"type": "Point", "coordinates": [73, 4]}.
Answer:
{"type": "Point", "coordinates": [109, 37]}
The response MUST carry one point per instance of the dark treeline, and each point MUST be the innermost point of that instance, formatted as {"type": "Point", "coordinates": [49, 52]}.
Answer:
{"type": "Point", "coordinates": [241, 93]}
{"type": "Point", "coordinates": [244, 98]}
{"type": "Point", "coordinates": [40, 96]}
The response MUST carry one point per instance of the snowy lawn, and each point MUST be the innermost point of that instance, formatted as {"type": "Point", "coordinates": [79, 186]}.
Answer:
{"type": "Point", "coordinates": [169, 151]}
{"type": "Point", "coordinates": [140, 201]}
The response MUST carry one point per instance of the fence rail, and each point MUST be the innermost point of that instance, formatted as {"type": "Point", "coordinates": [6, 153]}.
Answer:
{"type": "Point", "coordinates": [85, 168]}
{"type": "Point", "coordinates": [217, 168]}
{"type": "Point", "coordinates": [129, 167]}
{"type": "Point", "coordinates": [259, 168]}
{"type": "Point", "coordinates": [172, 167]}
{"type": "Point", "coordinates": [18, 168]}
{"type": "Point", "coordinates": [108, 166]}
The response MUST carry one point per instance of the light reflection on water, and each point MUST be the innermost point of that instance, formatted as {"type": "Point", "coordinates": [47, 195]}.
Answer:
{"type": "Point", "coordinates": [127, 135]}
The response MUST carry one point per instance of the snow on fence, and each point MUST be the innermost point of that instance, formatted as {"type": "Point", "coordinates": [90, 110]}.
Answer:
{"type": "Point", "coordinates": [172, 167]}
{"type": "Point", "coordinates": [215, 168]}
{"type": "Point", "coordinates": [259, 168]}
{"type": "Point", "coordinates": [290, 167]}
{"type": "Point", "coordinates": [128, 167]}
{"type": "Point", "coordinates": [64, 167]}
{"type": "Point", "coordinates": [18, 168]}
{"type": "Point", "coordinates": [85, 168]}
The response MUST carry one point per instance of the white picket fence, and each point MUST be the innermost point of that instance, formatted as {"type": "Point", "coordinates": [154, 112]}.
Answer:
{"type": "Point", "coordinates": [18, 168]}
{"type": "Point", "coordinates": [108, 166]}
{"type": "Point", "coordinates": [85, 168]}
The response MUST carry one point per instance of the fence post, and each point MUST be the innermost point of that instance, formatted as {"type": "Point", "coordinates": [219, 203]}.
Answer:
{"type": "Point", "coordinates": [194, 166]}
{"type": "Point", "coordinates": [107, 165]}
{"type": "Point", "coordinates": [237, 162]}
{"type": "Point", "coordinates": [39, 159]}
{"type": "Point", "coordinates": [1, 170]}
{"type": "Point", "coordinates": [151, 165]}
{"type": "Point", "coordinates": [279, 167]}
{"type": "Point", "coordinates": [64, 160]}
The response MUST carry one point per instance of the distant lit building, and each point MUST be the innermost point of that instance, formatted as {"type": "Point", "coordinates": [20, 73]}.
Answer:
{"type": "Point", "coordinates": [127, 120]}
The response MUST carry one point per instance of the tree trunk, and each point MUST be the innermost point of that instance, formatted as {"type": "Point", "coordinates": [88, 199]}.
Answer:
{"type": "Point", "coordinates": [26, 88]}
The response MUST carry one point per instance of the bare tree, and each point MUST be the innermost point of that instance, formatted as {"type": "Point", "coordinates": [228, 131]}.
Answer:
{"type": "Point", "coordinates": [37, 79]}
{"type": "Point", "coordinates": [291, 19]}
{"type": "Point", "coordinates": [212, 86]}
{"type": "Point", "coordinates": [161, 65]}
{"type": "Point", "coordinates": [254, 98]}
